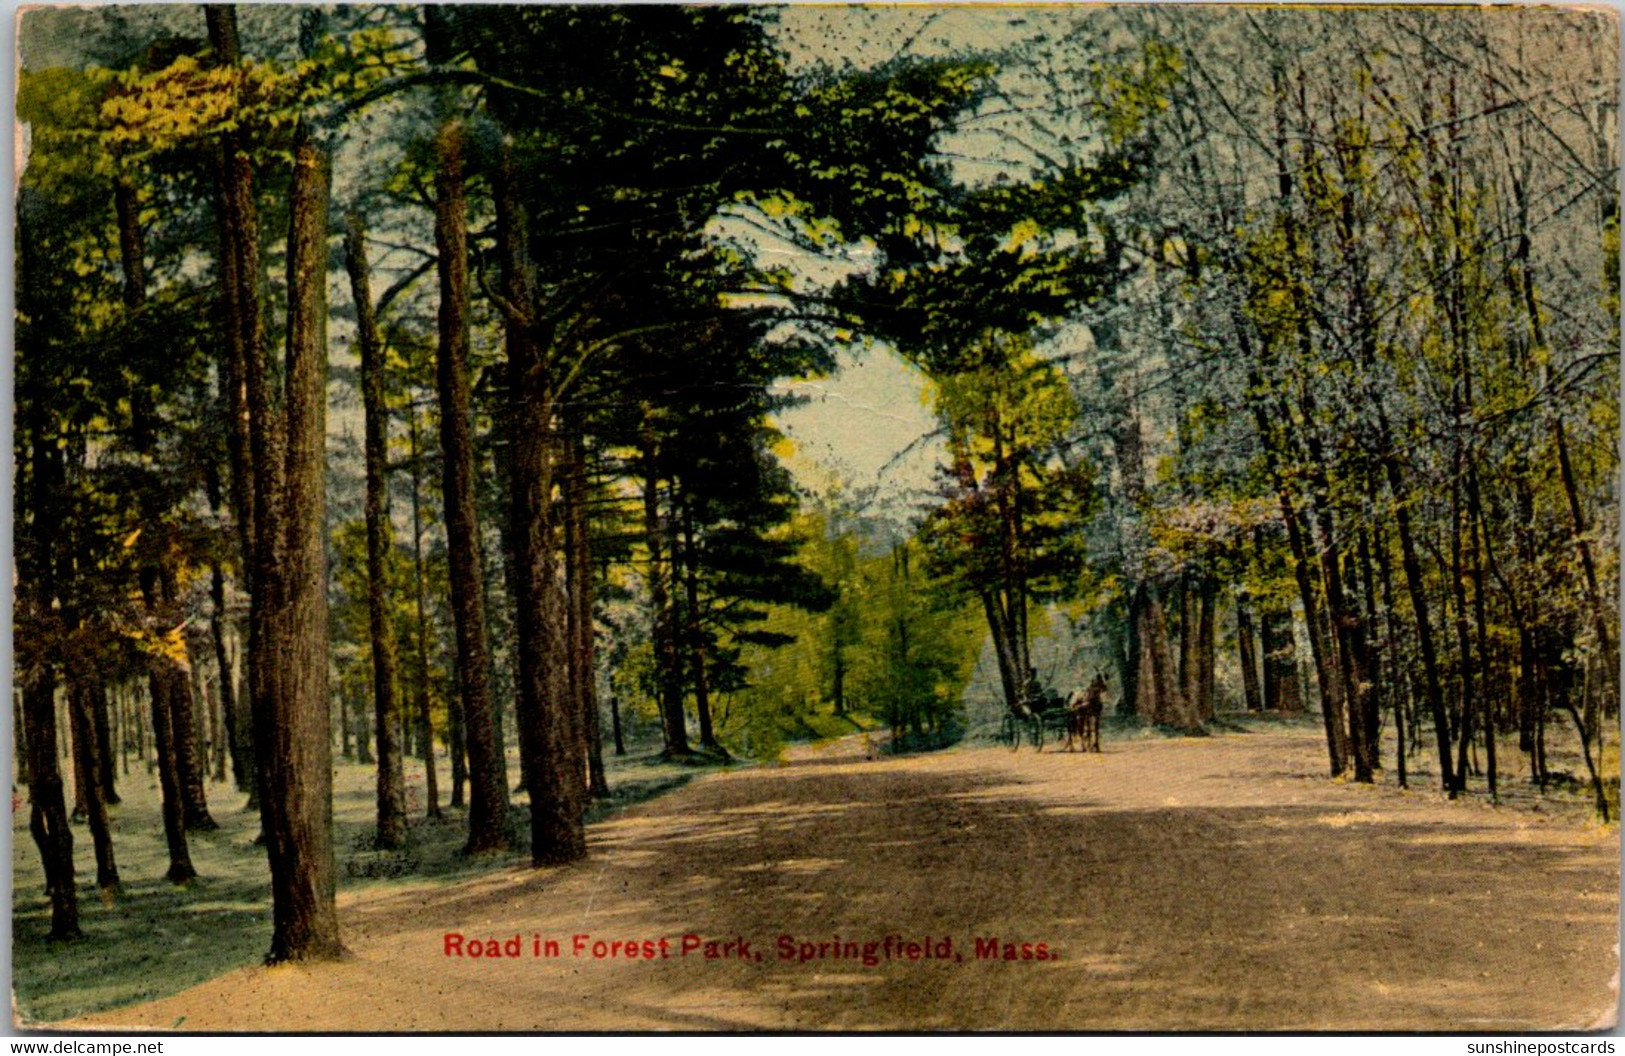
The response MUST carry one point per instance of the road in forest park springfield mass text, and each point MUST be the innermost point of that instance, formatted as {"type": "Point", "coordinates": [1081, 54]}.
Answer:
{"type": "Point", "coordinates": [780, 949]}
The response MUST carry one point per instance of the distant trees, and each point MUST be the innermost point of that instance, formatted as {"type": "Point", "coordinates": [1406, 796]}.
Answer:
{"type": "Point", "coordinates": [1343, 233]}
{"type": "Point", "coordinates": [111, 378]}
{"type": "Point", "coordinates": [892, 647]}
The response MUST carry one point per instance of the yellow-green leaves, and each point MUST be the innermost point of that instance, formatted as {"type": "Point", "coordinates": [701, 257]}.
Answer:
{"type": "Point", "coordinates": [190, 100]}
{"type": "Point", "coordinates": [1129, 95]}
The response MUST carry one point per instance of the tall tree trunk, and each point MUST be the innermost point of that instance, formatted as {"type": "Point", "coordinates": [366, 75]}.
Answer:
{"type": "Point", "coordinates": [1343, 702]}
{"type": "Point", "coordinates": [293, 734]}
{"type": "Point", "coordinates": [106, 768]}
{"type": "Point", "coordinates": [1161, 698]}
{"type": "Point", "coordinates": [81, 706]}
{"type": "Point", "coordinates": [1369, 715]}
{"type": "Point", "coordinates": [420, 688]}
{"type": "Point", "coordinates": [1011, 597]}
{"type": "Point", "coordinates": [203, 701]}
{"type": "Point", "coordinates": [670, 687]}
{"type": "Point", "coordinates": [40, 484]}
{"type": "Point", "coordinates": [1004, 651]}
{"type": "Point", "coordinates": [456, 748]}
{"type": "Point", "coordinates": [1466, 663]}
{"type": "Point", "coordinates": [133, 701]}
{"type": "Point", "coordinates": [1152, 688]}
{"type": "Point", "coordinates": [344, 723]}
{"type": "Point", "coordinates": [121, 730]}
{"type": "Point", "coordinates": [548, 718]}
{"type": "Point", "coordinates": [1475, 569]}
{"type": "Point", "coordinates": [1525, 692]}
{"type": "Point", "coordinates": [19, 737]}
{"type": "Point", "coordinates": [1325, 639]}
{"type": "Point", "coordinates": [1205, 635]}
{"type": "Point", "coordinates": [1187, 639]}
{"type": "Point", "coordinates": [1579, 531]}
{"type": "Point", "coordinates": [899, 709]}
{"type": "Point", "coordinates": [190, 763]}
{"type": "Point", "coordinates": [1358, 678]}
{"type": "Point", "coordinates": [1247, 650]}
{"type": "Point", "coordinates": [1399, 686]}
{"type": "Point", "coordinates": [242, 374]}
{"type": "Point", "coordinates": [1129, 658]}
{"type": "Point", "coordinates": [1320, 649]}
{"type": "Point", "coordinates": [1532, 682]}
{"type": "Point", "coordinates": [695, 631]}
{"type": "Point", "coordinates": [48, 808]}
{"type": "Point", "coordinates": [362, 728]}
{"type": "Point", "coordinates": [1353, 633]}
{"type": "Point", "coordinates": [1280, 662]}
{"type": "Point", "coordinates": [1588, 564]}
{"type": "Point", "coordinates": [1417, 589]}
{"type": "Point", "coordinates": [170, 694]}
{"type": "Point", "coordinates": [488, 807]}
{"type": "Point", "coordinates": [217, 723]}
{"type": "Point", "coordinates": [77, 762]}
{"type": "Point", "coordinates": [578, 568]}
{"type": "Point", "coordinates": [391, 784]}
{"type": "Point", "coordinates": [161, 678]}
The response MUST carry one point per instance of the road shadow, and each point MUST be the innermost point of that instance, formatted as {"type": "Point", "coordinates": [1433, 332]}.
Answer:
{"type": "Point", "coordinates": [1232, 918]}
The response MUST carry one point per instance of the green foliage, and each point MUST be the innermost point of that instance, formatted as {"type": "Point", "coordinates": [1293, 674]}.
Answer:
{"type": "Point", "coordinates": [1016, 496]}
{"type": "Point", "coordinates": [889, 651]}
{"type": "Point", "coordinates": [189, 99]}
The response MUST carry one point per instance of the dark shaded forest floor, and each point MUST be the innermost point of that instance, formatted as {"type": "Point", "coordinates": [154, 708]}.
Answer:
{"type": "Point", "coordinates": [1218, 883]}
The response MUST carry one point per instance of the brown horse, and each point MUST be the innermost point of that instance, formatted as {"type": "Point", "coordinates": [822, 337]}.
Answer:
{"type": "Point", "coordinates": [1083, 712]}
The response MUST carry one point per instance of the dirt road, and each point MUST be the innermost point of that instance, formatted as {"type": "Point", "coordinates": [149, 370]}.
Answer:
{"type": "Point", "coordinates": [1218, 883]}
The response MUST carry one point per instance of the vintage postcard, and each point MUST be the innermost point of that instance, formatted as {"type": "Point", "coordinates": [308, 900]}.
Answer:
{"type": "Point", "coordinates": [931, 518]}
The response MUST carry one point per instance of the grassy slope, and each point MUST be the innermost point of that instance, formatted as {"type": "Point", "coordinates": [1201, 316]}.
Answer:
{"type": "Point", "coordinates": [156, 939]}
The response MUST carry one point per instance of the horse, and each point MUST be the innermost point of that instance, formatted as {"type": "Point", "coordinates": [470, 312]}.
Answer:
{"type": "Point", "coordinates": [1083, 710]}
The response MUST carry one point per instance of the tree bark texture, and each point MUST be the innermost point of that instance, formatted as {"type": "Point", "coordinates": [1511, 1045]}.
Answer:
{"type": "Point", "coordinates": [660, 582]}
{"type": "Point", "coordinates": [391, 782]}
{"type": "Point", "coordinates": [578, 559]}
{"type": "Point", "coordinates": [1417, 590]}
{"type": "Point", "coordinates": [292, 723]}
{"type": "Point", "coordinates": [687, 555]}
{"type": "Point", "coordinates": [48, 808]}
{"type": "Point", "coordinates": [1247, 652]}
{"type": "Point", "coordinates": [488, 806]}
{"type": "Point", "coordinates": [549, 721]}
{"type": "Point", "coordinates": [243, 373]}
{"type": "Point", "coordinates": [424, 724]}
{"type": "Point", "coordinates": [86, 748]}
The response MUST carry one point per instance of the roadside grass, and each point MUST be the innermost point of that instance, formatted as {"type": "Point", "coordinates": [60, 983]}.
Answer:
{"type": "Point", "coordinates": [1568, 790]}
{"type": "Point", "coordinates": [826, 725]}
{"type": "Point", "coordinates": [153, 938]}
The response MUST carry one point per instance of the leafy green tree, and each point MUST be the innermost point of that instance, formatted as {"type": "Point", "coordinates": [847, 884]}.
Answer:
{"type": "Point", "coordinates": [1010, 531]}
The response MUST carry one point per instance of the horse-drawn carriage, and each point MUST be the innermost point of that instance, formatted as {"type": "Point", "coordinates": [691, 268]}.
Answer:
{"type": "Point", "coordinates": [1046, 715]}
{"type": "Point", "coordinates": [1032, 724]}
